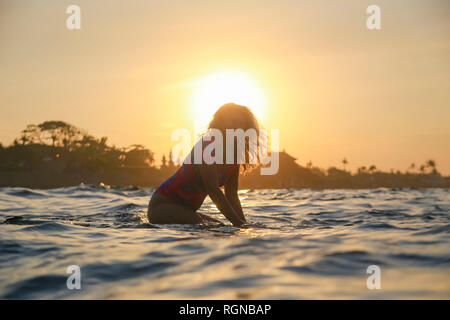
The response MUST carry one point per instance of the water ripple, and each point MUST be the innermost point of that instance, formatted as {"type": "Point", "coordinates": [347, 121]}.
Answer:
{"type": "Point", "coordinates": [298, 243]}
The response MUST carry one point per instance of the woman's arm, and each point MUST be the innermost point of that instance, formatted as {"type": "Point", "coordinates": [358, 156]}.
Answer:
{"type": "Point", "coordinates": [208, 173]}
{"type": "Point", "coordinates": [231, 193]}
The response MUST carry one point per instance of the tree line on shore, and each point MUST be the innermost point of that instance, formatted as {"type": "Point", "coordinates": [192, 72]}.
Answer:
{"type": "Point", "coordinates": [73, 156]}
{"type": "Point", "coordinates": [58, 141]}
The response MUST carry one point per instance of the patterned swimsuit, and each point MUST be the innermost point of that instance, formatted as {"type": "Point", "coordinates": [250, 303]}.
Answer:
{"type": "Point", "coordinates": [186, 186]}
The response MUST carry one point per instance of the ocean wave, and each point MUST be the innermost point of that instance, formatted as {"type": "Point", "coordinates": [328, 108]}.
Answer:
{"type": "Point", "coordinates": [298, 243]}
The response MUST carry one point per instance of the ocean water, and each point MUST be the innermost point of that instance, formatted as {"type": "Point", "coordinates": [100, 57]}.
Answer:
{"type": "Point", "coordinates": [299, 244]}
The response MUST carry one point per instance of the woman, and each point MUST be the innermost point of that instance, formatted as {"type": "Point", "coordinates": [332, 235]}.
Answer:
{"type": "Point", "coordinates": [178, 198]}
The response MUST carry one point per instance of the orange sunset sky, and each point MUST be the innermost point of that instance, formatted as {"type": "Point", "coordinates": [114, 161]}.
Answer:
{"type": "Point", "coordinates": [138, 69]}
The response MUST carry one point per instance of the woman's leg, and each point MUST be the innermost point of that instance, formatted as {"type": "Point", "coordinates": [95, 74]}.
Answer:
{"type": "Point", "coordinates": [167, 213]}
{"type": "Point", "coordinates": [162, 210]}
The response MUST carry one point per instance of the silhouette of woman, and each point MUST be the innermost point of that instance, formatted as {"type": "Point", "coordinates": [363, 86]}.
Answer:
{"type": "Point", "coordinates": [179, 197]}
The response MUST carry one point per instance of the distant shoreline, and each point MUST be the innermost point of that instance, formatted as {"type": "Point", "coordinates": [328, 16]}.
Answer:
{"type": "Point", "coordinates": [153, 177]}
{"type": "Point", "coordinates": [56, 154]}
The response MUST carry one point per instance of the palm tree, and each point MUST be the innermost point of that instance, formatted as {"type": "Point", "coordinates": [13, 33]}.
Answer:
{"type": "Point", "coordinates": [309, 164]}
{"type": "Point", "coordinates": [344, 162]}
{"type": "Point", "coordinates": [432, 165]}
{"type": "Point", "coordinates": [372, 169]}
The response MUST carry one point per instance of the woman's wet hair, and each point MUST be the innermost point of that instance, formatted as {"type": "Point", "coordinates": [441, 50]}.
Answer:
{"type": "Point", "coordinates": [234, 116]}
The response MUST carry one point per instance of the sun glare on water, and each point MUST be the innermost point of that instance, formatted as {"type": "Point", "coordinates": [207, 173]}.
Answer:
{"type": "Point", "coordinates": [214, 90]}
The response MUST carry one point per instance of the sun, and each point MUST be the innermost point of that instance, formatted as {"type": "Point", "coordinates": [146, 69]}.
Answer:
{"type": "Point", "coordinates": [212, 91]}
